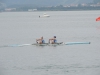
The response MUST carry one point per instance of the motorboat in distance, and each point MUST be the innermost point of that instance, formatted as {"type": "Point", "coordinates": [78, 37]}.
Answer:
{"type": "Point", "coordinates": [44, 15]}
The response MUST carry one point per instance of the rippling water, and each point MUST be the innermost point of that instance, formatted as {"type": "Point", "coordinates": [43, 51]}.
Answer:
{"type": "Point", "coordinates": [69, 26]}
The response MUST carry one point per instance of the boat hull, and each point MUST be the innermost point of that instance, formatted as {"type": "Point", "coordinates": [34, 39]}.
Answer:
{"type": "Point", "coordinates": [61, 43]}
{"type": "Point", "coordinates": [48, 44]}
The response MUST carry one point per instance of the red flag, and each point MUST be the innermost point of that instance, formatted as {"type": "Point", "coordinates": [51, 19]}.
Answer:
{"type": "Point", "coordinates": [98, 19]}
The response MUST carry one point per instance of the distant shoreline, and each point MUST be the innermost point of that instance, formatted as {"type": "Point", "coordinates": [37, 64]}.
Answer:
{"type": "Point", "coordinates": [53, 9]}
{"type": "Point", "coordinates": [49, 10]}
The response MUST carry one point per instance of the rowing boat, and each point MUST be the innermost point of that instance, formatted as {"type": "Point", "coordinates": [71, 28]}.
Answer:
{"type": "Point", "coordinates": [46, 44]}
{"type": "Point", "coordinates": [60, 43]}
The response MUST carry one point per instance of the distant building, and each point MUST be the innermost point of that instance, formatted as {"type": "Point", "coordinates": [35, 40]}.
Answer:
{"type": "Point", "coordinates": [84, 4]}
{"type": "Point", "coordinates": [30, 10]}
{"type": "Point", "coordinates": [10, 9]}
{"type": "Point", "coordinates": [95, 5]}
{"type": "Point", "coordinates": [74, 5]}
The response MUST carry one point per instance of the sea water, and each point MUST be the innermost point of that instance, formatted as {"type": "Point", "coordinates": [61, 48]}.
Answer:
{"type": "Point", "coordinates": [18, 28]}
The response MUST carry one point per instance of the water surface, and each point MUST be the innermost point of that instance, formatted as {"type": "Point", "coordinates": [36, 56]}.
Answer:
{"type": "Point", "coordinates": [68, 26]}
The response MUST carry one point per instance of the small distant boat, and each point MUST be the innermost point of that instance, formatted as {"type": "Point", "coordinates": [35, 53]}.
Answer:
{"type": "Point", "coordinates": [45, 15]}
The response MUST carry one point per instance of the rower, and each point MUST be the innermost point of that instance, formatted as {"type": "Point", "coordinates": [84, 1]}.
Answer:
{"type": "Point", "coordinates": [53, 40]}
{"type": "Point", "coordinates": [40, 41]}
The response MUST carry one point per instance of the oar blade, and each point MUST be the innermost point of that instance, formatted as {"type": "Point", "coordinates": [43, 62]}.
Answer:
{"type": "Point", "coordinates": [75, 43]}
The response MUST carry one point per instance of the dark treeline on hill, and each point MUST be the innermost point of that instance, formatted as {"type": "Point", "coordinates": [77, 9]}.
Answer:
{"type": "Point", "coordinates": [44, 2]}
{"type": "Point", "coordinates": [48, 5]}
{"type": "Point", "coordinates": [60, 8]}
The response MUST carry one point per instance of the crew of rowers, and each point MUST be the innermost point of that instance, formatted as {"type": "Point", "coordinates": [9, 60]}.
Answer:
{"type": "Point", "coordinates": [51, 40]}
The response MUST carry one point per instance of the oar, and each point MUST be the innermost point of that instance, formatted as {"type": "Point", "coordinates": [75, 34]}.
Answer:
{"type": "Point", "coordinates": [75, 43]}
{"type": "Point", "coordinates": [18, 45]}
{"type": "Point", "coordinates": [15, 45]}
